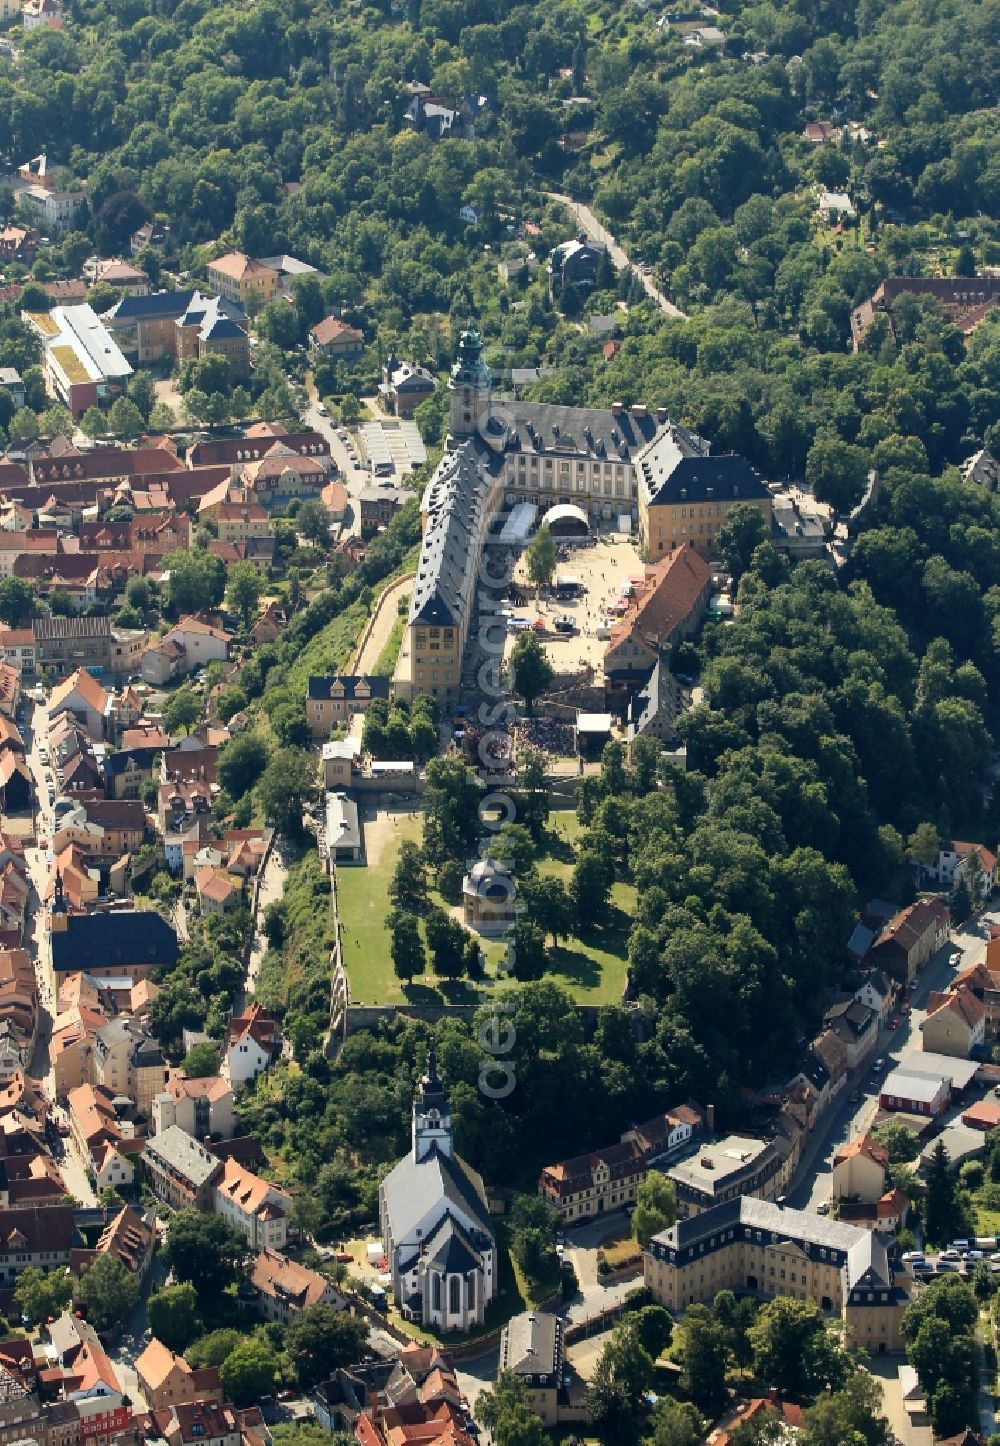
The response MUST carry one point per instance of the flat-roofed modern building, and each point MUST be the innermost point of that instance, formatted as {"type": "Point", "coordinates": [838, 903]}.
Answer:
{"type": "Point", "coordinates": [756, 1246]}
{"type": "Point", "coordinates": [719, 1170]}
{"type": "Point", "coordinates": [81, 360]}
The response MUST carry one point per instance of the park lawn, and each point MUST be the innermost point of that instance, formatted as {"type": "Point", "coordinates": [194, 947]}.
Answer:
{"type": "Point", "coordinates": [363, 903]}
{"type": "Point", "coordinates": [591, 967]}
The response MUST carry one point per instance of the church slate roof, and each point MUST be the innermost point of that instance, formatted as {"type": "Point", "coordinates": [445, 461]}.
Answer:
{"type": "Point", "coordinates": [413, 1188]}
{"type": "Point", "coordinates": [450, 1250]}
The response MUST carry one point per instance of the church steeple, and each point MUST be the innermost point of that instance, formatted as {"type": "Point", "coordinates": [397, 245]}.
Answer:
{"type": "Point", "coordinates": [431, 1111]}
{"type": "Point", "coordinates": [470, 385]}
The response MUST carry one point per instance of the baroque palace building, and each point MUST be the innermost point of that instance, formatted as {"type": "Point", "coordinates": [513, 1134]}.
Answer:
{"type": "Point", "coordinates": [607, 462]}
{"type": "Point", "coordinates": [758, 1246]}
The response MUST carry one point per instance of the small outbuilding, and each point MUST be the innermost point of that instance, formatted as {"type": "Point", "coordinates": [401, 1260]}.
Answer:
{"type": "Point", "coordinates": [489, 897]}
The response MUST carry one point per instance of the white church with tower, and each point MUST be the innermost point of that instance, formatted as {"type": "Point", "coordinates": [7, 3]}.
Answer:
{"type": "Point", "coordinates": [435, 1222]}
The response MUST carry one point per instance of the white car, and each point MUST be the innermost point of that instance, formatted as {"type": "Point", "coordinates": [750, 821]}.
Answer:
{"type": "Point", "coordinates": [321, 409]}
{"type": "Point", "coordinates": [955, 959]}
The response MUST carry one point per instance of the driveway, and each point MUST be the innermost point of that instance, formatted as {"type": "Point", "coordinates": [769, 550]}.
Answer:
{"type": "Point", "coordinates": [600, 233]}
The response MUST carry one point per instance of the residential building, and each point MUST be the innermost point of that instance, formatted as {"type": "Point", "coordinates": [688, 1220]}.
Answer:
{"type": "Point", "coordinates": [965, 300]}
{"type": "Point", "coordinates": [282, 473]}
{"type": "Point", "coordinates": [81, 362]}
{"type": "Point", "coordinates": [285, 1288]}
{"type": "Point", "coordinates": [166, 1379]}
{"type": "Point", "coordinates": [218, 891]}
{"type": "Point", "coordinates": [200, 1107]}
{"type": "Point", "coordinates": [668, 608]}
{"type": "Point", "coordinates": [860, 1170]}
{"type": "Point", "coordinates": [40, 1236]}
{"type": "Point", "coordinates": [983, 980]}
{"type": "Point", "coordinates": [63, 645]}
{"type": "Point", "coordinates": [531, 1346]}
{"type": "Point", "coordinates": [982, 467]}
{"type": "Point", "coordinates": [237, 277]}
{"type": "Point", "coordinates": [52, 209]}
{"type": "Point", "coordinates": [876, 990]}
{"type": "Point", "coordinates": [202, 643]}
{"type": "Point", "coordinates": [252, 1045]}
{"type": "Point", "coordinates": [404, 386]}
{"type": "Point", "coordinates": [383, 1403]}
{"type": "Point", "coordinates": [379, 505]}
{"type": "Point", "coordinates": [575, 263]}
{"type": "Point", "coordinates": [10, 377]}
{"type": "Point", "coordinates": [182, 1172]}
{"type": "Point", "coordinates": [257, 442]}
{"type": "Point", "coordinates": [955, 1023]}
{"type": "Point", "coordinates": [255, 1207]}
{"type": "Point", "coordinates": [435, 1222]}
{"type": "Point", "coordinates": [856, 1026]}
{"type": "Point", "coordinates": [128, 1061]}
{"type": "Point", "coordinates": [126, 943]}
{"type": "Point", "coordinates": [333, 337]}
{"type": "Point", "coordinates": [82, 696]}
{"type": "Point", "coordinates": [914, 1092]}
{"type": "Point", "coordinates": [334, 700]}
{"type": "Point", "coordinates": [607, 1179]}
{"type": "Point", "coordinates": [911, 938]}
{"type": "Point", "coordinates": [42, 14]}
{"type": "Point", "coordinates": [765, 1249]}
{"type": "Point", "coordinates": [954, 862]}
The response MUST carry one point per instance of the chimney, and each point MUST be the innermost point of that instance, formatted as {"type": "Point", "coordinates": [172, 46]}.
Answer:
{"type": "Point", "coordinates": [616, 409]}
{"type": "Point", "coordinates": [661, 415]}
{"type": "Point", "coordinates": [639, 410]}
{"type": "Point", "coordinates": [710, 1119]}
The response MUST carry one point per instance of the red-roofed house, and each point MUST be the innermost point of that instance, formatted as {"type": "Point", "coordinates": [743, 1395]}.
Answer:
{"type": "Point", "coordinates": [333, 337]}
{"type": "Point", "coordinates": [955, 1023]}
{"type": "Point", "coordinates": [253, 1043]}
{"type": "Point", "coordinates": [953, 861]}
{"type": "Point", "coordinates": [860, 1170]}
{"type": "Point", "coordinates": [910, 938]}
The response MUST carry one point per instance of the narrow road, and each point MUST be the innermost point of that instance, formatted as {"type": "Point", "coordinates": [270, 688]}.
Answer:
{"type": "Point", "coordinates": [987, 1415]}
{"type": "Point", "coordinates": [385, 620]}
{"type": "Point", "coordinates": [272, 887]}
{"type": "Point", "coordinates": [597, 231]}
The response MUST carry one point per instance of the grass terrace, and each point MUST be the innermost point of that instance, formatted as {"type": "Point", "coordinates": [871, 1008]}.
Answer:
{"type": "Point", "coordinates": [591, 967]}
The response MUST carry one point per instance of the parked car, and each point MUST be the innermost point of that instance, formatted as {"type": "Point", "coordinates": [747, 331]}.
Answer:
{"type": "Point", "coordinates": [878, 1066]}
{"type": "Point", "coordinates": [823, 1208]}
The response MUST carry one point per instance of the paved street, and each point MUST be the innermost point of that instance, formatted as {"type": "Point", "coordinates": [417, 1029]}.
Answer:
{"type": "Point", "coordinates": [811, 1184]}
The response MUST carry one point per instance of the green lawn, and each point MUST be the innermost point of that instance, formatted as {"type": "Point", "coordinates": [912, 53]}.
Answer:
{"type": "Point", "coordinates": [591, 968]}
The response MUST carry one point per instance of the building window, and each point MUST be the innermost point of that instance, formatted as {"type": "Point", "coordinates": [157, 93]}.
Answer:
{"type": "Point", "coordinates": [454, 1294]}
